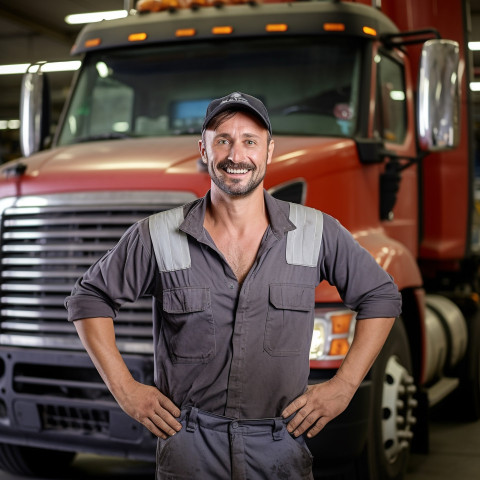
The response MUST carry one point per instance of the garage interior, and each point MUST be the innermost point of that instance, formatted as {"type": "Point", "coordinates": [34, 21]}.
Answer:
{"type": "Point", "coordinates": [34, 31]}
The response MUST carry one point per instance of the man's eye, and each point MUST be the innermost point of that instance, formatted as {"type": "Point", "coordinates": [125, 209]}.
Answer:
{"type": "Point", "coordinates": [223, 141]}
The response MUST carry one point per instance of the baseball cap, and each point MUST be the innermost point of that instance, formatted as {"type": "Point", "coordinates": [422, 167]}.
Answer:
{"type": "Point", "coordinates": [237, 101]}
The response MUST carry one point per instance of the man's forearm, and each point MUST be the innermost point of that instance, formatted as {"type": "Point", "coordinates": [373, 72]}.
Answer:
{"type": "Point", "coordinates": [98, 338]}
{"type": "Point", "coordinates": [144, 403]}
{"type": "Point", "coordinates": [370, 335]}
{"type": "Point", "coordinates": [322, 402]}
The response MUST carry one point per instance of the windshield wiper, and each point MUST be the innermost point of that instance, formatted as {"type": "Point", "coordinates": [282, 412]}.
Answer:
{"type": "Point", "coordinates": [104, 136]}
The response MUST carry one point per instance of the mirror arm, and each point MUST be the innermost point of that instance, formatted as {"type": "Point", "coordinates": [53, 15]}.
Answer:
{"type": "Point", "coordinates": [395, 157]}
{"type": "Point", "coordinates": [390, 178]}
{"type": "Point", "coordinates": [409, 38]}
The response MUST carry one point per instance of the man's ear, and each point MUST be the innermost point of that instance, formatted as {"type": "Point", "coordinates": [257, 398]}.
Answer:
{"type": "Point", "coordinates": [202, 151]}
{"type": "Point", "coordinates": [271, 147]}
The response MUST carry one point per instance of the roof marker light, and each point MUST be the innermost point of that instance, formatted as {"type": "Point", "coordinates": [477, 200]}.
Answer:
{"type": "Point", "coordinates": [370, 31]}
{"type": "Point", "coordinates": [334, 27]}
{"type": "Point", "coordinates": [276, 27]}
{"type": "Point", "coordinates": [226, 30]}
{"type": "Point", "coordinates": [93, 42]}
{"type": "Point", "coordinates": [185, 32]}
{"type": "Point", "coordinates": [137, 37]}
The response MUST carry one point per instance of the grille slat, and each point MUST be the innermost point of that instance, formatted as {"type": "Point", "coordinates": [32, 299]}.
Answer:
{"type": "Point", "coordinates": [40, 235]}
{"type": "Point", "coordinates": [60, 247]}
{"type": "Point", "coordinates": [47, 244]}
{"type": "Point", "coordinates": [49, 261]}
{"type": "Point", "coordinates": [43, 287]}
{"type": "Point", "coordinates": [69, 274]}
{"type": "Point", "coordinates": [79, 220]}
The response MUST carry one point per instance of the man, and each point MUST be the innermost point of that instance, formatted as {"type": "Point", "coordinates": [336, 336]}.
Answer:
{"type": "Point", "coordinates": [233, 277]}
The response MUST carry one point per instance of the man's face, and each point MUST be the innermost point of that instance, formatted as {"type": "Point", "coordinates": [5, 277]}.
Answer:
{"type": "Point", "coordinates": [237, 154]}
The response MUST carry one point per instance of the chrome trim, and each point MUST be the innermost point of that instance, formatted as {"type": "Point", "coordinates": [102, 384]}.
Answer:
{"type": "Point", "coordinates": [97, 199]}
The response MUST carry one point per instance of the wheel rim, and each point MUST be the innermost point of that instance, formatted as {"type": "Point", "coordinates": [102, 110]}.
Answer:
{"type": "Point", "coordinates": [397, 409]}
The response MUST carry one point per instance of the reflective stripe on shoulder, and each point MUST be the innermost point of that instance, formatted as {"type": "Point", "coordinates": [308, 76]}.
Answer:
{"type": "Point", "coordinates": [169, 243]}
{"type": "Point", "coordinates": [303, 243]}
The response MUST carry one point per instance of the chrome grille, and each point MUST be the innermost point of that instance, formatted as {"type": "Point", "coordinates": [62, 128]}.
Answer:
{"type": "Point", "coordinates": [47, 243]}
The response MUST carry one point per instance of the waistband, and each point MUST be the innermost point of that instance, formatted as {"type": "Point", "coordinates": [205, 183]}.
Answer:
{"type": "Point", "coordinates": [195, 418]}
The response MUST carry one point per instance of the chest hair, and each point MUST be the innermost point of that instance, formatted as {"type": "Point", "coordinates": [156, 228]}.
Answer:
{"type": "Point", "coordinates": [240, 253]}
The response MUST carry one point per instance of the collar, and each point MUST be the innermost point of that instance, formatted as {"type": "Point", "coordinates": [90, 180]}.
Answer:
{"type": "Point", "coordinates": [277, 210]}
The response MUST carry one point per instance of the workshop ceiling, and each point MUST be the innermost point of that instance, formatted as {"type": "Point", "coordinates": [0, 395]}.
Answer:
{"type": "Point", "coordinates": [33, 30]}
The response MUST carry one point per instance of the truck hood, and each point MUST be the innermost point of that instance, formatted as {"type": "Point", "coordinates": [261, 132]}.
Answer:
{"type": "Point", "coordinates": [153, 164]}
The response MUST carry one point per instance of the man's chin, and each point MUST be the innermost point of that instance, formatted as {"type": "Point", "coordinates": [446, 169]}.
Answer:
{"type": "Point", "coordinates": [237, 191]}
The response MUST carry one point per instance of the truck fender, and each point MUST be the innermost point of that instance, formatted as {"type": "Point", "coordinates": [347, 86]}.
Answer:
{"type": "Point", "coordinates": [393, 257]}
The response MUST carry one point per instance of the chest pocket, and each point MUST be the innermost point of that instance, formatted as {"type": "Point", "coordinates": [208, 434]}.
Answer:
{"type": "Point", "coordinates": [289, 325]}
{"type": "Point", "coordinates": [189, 328]}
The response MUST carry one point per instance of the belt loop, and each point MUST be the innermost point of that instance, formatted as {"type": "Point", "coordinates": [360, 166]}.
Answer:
{"type": "Point", "coordinates": [278, 429]}
{"type": "Point", "coordinates": [192, 420]}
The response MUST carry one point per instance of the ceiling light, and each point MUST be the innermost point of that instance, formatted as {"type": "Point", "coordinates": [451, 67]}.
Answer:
{"type": "Point", "coordinates": [21, 68]}
{"type": "Point", "coordinates": [474, 46]}
{"type": "Point", "coordinates": [13, 69]}
{"type": "Point", "coordinates": [79, 18]}
{"type": "Point", "coordinates": [69, 66]}
{"type": "Point", "coordinates": [9, 124]}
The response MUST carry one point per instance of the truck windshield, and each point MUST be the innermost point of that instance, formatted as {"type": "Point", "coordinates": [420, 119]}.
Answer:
{"type": "Point", "coordinates": [309, 85]}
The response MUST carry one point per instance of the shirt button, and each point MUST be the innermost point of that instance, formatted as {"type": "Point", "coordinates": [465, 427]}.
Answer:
{"type": "Point", "coordinates": [232, 286]}
{"type": "Point", "coordinates": [235, 425]}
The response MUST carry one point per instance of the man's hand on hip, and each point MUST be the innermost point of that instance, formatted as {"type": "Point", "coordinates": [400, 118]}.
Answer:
{"type": "Point", "coordinates": [151, 408]}
{"type": "Point", "coordinates": [317, 406]}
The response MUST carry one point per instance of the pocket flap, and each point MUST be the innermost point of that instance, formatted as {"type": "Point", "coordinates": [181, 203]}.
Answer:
{"type": "Point", "coordinates": [186, 300]}
{"type": "Point", "coordinates": [292, 297]}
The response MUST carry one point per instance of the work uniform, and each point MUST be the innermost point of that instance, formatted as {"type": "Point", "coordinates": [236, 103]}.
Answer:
{"type": "Point", "coordinates": [237, 351]}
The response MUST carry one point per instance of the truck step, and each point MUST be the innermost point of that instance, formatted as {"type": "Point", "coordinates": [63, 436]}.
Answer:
{"type": "Point", "coordinates": [441, 389]}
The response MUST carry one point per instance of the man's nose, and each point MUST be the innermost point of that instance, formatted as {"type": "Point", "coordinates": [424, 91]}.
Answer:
{"type": "Point", "coordinates": [235, 154]}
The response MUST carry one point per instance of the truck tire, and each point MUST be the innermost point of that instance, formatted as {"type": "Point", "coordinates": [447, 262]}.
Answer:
{"type": "Point", "coordinates": [389, 439]}
{"type": "Point", "coordinates": [29, 461]}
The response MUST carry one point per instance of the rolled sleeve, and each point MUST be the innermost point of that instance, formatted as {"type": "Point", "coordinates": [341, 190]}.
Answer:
{"type": "Point", "coordinates": [362, 284]}
{"type": "Point", "coordinates": [122, 275]}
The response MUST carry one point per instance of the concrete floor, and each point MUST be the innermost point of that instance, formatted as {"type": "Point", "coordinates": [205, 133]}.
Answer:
{"type": "Point", "coordinates": [455, 454]}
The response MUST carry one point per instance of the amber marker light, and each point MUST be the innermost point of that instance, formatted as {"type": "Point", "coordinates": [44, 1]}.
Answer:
{"type": "Point", "coordinates": [185, 32]}
{"type": "Point", "coordinates": [334, 27]}
{"type": "Point", "coordinates": [339, 346]}
{"type": "Point", "coordinates": [370, 31]}
{"type": "Point", "coordinates": [276, 27]}
{"type": "Point", "coordinates": [137, 37]}
{"type": "Point", "coordinates": [341, 323]}
{"type": "Point", "coordinates": [93, 42]}
{"type": "Point", "coordinates": [226, 30]}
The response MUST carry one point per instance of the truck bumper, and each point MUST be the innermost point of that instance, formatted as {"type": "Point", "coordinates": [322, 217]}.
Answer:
{"type": "Point", "coordinates": [342, 440]}
{"type": "Point", "coordinates": [57, 400]}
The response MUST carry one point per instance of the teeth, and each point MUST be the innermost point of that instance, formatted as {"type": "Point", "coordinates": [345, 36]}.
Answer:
{"type": "Point", "coordinates": [237, 170]}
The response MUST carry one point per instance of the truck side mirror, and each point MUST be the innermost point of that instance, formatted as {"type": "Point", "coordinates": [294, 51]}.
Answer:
{"type": "Point", "coordinates": [34, 110]}
{"type": "Point", "coordinates": [438, 96]}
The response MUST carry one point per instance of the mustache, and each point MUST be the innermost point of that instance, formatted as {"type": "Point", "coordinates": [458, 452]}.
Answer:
{"type": "Point", "coordinates": [240, 165]}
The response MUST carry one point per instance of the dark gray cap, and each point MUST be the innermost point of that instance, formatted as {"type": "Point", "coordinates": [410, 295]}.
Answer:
{"type": "Point", "coordinates": [237, 101]}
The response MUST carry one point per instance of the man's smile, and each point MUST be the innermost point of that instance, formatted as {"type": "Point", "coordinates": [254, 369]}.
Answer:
{"type": "Point", "coordinates": [235, 169]}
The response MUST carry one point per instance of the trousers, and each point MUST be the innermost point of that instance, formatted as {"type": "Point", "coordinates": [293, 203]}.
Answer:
{"type": "Point", "coordinates": [213, 447]}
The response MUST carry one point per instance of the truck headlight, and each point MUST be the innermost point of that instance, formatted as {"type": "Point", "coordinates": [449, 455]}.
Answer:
{"type": "Point", "coordinates": [332, 334]}
{"type": "Point", "coordinates": [317, 348]}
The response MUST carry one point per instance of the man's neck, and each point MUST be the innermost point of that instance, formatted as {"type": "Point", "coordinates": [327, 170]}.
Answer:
{"type": "Point", "coordinates": [236, 214]}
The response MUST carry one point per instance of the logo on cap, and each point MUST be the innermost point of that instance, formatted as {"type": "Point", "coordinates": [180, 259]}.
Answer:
{"type": "Point", "coordinates": [235, 97]}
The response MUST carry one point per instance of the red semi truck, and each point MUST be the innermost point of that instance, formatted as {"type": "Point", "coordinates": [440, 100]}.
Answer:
{"type": "Point", "coordinates": [354, 137]}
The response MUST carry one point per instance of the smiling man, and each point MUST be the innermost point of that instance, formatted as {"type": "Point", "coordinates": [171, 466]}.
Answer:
{"type": "Point", "coordinates": [233, 278]}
